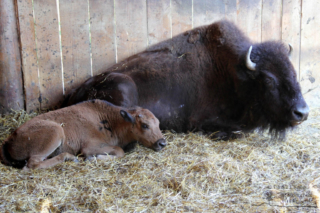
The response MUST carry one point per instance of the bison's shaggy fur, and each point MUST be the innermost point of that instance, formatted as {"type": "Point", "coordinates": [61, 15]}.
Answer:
{"type": "Point", "coordinates": [200, 80]}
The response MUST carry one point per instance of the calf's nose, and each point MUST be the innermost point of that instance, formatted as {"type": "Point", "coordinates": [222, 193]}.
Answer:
{"type": "Point", "coordinates": [300, 113]}
{"type": "Point", "coordinates": [160, 144]}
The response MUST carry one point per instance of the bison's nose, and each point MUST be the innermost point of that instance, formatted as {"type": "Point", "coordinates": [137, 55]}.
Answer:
{"type": "Point", "coordinates": [159, 144]}
{"type": "Point", "coordinates": [300, 113]}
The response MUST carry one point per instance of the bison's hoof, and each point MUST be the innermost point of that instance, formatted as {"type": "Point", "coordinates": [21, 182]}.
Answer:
{"type": "Point", "coordinates": [227, 135]}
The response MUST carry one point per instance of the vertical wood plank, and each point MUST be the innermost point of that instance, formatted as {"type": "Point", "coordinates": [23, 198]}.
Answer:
{"type": "Point", "coordinates": [181, 15]}
{"type": "Point", "coordinates": [29, 55]}
{"type": "Point", "coordinates": [231, 10]}
{"type": "Point", "coordinates": [75, 42]}
{"type": "Point", "coordinates": [131, 27]}
{"type": "Point", "coordinates": [249, 18]}
{"type": "Point", "coordinates": [207, 11]}
{"type": "Point", "coordinates": [102, 34]}
{"type": "Point", "coordinates": [310, 52]}
{"type": "Point", "coordinates": [271, 20]}
{"type": "Point", "coordinates": [159, 21]}
{"type": "Point", "coordinates": [11, 92]}
{"type": "Point", "coordinates": [49, 56]}
{"type": "Point", "coordinates": [291, 18]}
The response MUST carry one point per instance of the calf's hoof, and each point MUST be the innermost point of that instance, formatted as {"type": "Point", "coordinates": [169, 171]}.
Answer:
{"type": "Point", "coordinates": [26, 168]}
{"type": "Point", "coordinates": [76, 160]}
{"type": "Point", "coordinates": [90, 158]}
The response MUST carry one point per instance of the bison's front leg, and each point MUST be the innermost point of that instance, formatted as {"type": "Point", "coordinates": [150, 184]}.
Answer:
{"type": "Point", "coordinates": [226, 135]}
{"type": "Point", "coordinates": [103, 151]}
{"type": "Point", "coordinates": [223, 133]}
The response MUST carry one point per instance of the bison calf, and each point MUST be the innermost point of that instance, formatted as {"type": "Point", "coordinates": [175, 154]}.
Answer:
{"type": "Point", "coordinates": [92, 128]}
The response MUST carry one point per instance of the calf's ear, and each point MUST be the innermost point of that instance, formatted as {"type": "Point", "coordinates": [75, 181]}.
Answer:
{"type": "Point", "coordinates": [127, 117]}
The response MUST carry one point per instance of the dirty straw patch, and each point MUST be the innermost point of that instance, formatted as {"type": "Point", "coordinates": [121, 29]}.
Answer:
{"type": "Point", "coordinates": [192, 174]}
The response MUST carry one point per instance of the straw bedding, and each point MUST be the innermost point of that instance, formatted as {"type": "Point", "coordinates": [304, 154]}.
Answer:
{"type": "Point", "coordinates": [192, 174]}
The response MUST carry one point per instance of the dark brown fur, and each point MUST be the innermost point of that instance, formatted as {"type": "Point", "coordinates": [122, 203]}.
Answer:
{"type": "Point", "coordinates": [199, 80]}
{"type": "Point", "coordinates": [93, 128]}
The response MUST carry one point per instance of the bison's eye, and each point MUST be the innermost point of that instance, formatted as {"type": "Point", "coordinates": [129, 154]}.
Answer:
{"type": "Point", "coordinates": [270, 82]}
{"type": "Point", "coordinates": [144, 126]}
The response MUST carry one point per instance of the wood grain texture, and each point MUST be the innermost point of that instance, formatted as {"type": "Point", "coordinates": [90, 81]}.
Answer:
{"type": "Point", "coordinates": [11, 89]}
{"type": "Point", "coordinates": [29, 55]}
{"type": "Point", "coordinates": [271, 20]}
{"type": "Point", "coordinates": [249, 18]}
{"type": "Point", "coordinates": [291, 18]}
{"type": "Point", "coordinates": [49, 56]}
{"type": "Point", "coordinates": [310, 52]}
{"type": "Point", "coordinates": [181, 16]}
{"type": "Point", "coordinates": [159, 21]}
{"type": "Point", "coordinates": [102, 25]}
{"type": "Point", "coordinates": [131, 27]}
{"type": "Point", "coordinates": [231, 10]}
{"type": "Point", "coordinates": [207, 11]}
{"type": "Point", "coordinates": [75, 42]}
{"type": "Point", "coordinates": [120, 29]}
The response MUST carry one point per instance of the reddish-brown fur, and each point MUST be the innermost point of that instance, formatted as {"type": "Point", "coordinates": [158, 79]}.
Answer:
{"type": "Point", "coordinates": [92, 128]}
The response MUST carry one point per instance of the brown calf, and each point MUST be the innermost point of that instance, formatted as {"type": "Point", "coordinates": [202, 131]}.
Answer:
{"type": "Point", "coordinates": [92, 128]}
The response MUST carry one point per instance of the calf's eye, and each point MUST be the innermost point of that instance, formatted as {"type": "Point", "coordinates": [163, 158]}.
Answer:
{"type": "Point", "coordinates": [144, 126]}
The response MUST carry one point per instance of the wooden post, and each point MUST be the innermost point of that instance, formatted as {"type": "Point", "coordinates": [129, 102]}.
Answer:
{"type": "Point", "coordinates": [29, 58]}
{"type": "Point", "coordinates": [11, 89]}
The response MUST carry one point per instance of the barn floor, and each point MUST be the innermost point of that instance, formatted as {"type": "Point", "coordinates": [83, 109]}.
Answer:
{"type": "Point", "coordinates": [192, 174]}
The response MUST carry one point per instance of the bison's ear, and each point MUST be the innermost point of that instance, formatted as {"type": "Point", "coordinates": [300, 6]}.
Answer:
{"type": "Point", "coordinates": [127, 117]}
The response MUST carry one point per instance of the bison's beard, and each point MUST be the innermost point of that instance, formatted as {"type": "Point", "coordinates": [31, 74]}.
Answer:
{"type": "Point", "coordinates": [275, 132]}
{"type": "Point", "coordinates": [279, 131]}
{"type": "Point", "coordinates": [276, 127]}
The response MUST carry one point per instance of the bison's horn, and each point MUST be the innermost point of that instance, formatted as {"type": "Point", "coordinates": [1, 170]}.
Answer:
{"type": "Point", "coordinates": [250, 65]}
{"type": "Point", "coordinates": [290, 50]}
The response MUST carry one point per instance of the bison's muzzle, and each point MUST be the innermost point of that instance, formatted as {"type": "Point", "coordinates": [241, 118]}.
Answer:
{"type": "Point", "coordinates": [299, 114]}
{"type": "Point", "coordinates": [160, 144]}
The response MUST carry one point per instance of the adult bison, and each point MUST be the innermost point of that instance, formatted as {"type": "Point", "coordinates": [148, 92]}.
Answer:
{"type": "Point", "coordinates": [211, 78]}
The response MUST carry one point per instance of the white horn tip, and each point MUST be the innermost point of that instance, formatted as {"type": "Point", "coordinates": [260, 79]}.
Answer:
{"type": "Point", "coordinates": [290, 50]}
{"type": "Point", "coordinates": [250, 65]}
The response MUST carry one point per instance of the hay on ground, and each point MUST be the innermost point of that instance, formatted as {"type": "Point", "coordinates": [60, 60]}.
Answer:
{"type": "Point", "coordinates": [192, 174]}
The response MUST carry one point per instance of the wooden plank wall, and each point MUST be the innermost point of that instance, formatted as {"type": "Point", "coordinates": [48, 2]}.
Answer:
{"type": "Point", "coordinates": [75, 42]}
{"type": "Point", "coordinates": [63, 42]}
{"type": "Point", "coordinates": [29, 55]}
{"type": "Point", "coordinates": [310, 51]}
{"type": "Point", "coordinates": [11, 91]}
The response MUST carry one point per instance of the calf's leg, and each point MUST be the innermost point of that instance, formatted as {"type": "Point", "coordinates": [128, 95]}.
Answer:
{"type": "Point", "coordinates": [36, 162]}
{"type": "Point", "coordinates": [105, 152]}
{"type": "Point", "coordinates": [47, 144]}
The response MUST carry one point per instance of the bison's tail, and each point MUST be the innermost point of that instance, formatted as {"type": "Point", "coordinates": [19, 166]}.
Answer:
{"type": "Point", "coordinates": [6, 159]}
